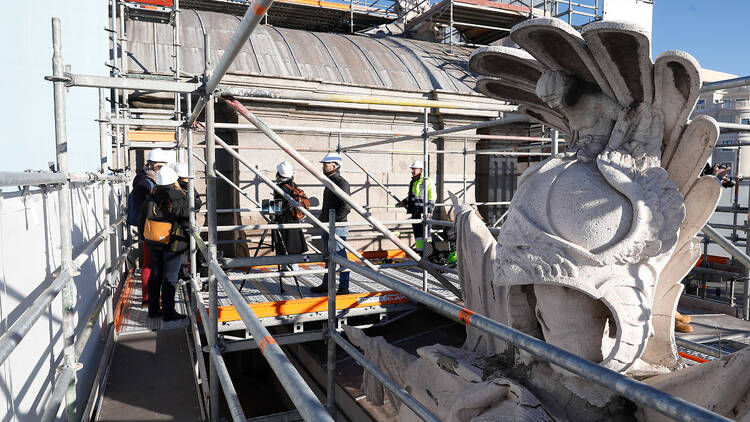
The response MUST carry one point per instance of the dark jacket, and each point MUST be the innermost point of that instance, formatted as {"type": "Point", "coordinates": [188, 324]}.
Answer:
{"type": "Point", "coordinates": [179, 215]}
{"type": "Point", "coordinates": [141, 187]}
{"type": "Point", "coordinates": [331, 201]}
{"type": "Point", "coordinates": [287, 241]}
{"type": "Point", "coordinates": [198, 201]}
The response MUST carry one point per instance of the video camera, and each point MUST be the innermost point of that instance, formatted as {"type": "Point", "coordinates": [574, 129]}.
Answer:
{"type": "Point", "coordinates": [272, 206]}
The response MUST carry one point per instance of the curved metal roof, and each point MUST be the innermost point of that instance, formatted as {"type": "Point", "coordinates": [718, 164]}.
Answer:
{"type": "Point", "coordinates": [390, 62]}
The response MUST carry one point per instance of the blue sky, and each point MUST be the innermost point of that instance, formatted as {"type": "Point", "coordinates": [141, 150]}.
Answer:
{"type": "Point", "coordinates": [27, 131]}
{"type": "Point", "coordinates": [717, 33]}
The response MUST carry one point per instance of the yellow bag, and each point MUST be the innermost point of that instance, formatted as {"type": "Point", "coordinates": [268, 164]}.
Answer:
{"type": "Point", "coordinates": [157, 231]}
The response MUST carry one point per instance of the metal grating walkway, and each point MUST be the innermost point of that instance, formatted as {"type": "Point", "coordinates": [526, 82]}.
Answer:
{"type": "Point", "coordinates": [134, 317]}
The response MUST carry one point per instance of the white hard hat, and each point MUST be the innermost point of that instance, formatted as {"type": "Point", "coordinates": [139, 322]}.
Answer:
{"type": "Point", "coordinates": [166, 176]}
{"type": "Point", "coordinates": [181, 169]}
{"type": "Point", "coordinates": [332, 157]}
{"type": "Point", "coordinates": [285, 169]}
{"type": "Point", "coordinates": [157, 155]}
{"type": "Point", "coordinates": [417, 165]}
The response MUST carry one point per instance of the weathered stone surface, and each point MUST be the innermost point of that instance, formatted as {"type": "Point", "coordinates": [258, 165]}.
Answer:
{"type": "Point", "coordinates": [721, 386]}
{"type": "Point", "coordinates": [597, 225]}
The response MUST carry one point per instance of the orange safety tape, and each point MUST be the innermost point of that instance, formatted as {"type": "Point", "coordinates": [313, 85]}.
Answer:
{"type": "Point", "coordinates": [259, 10]}
{"type": "Point", "coordinates": [693, 358]}
{"type": "Point", "coordinates": [265, 341]}
{"type": "Point", "coordinates": [465, 316]}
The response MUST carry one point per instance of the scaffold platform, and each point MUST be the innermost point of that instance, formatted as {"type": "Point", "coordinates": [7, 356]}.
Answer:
{"type": "Point", "coordinates": [289, 308]}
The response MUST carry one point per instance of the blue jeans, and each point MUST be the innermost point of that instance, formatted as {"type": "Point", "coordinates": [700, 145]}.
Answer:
{"type": "Point", "coordinates": [340, 251]}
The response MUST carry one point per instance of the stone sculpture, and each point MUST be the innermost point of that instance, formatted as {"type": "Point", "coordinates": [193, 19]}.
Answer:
{"type": "Point", "coordinates": [597, 238]}
{"type": "Point", "coordinates": [595, 243]}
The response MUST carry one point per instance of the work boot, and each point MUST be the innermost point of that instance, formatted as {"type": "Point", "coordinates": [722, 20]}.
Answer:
{"type": "Point", "coordinates": [322, 288]}
{"type": "Point", "coordinates": [682, 318]}
{"type": "Point", "coordinates": [342, 291]}
{"type": "Point", "coordinates": [681, 327]}
{"type": "Point", "coordinates": [167, 303]}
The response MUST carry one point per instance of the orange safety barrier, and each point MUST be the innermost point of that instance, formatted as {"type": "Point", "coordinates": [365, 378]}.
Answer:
{"type": "Point", "coordinates": [314, 304]}
{"type": "Point", "coordinates": [713, 259]}
{"type": "Point", "coordinates": [123, 301]}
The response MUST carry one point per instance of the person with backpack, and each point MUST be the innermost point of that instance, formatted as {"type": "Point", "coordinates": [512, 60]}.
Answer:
{"type": "Point", "coordinates": [331, 168]}
{"type": "Point", "coordinates": [288, 241]}
{"type": "Point", "coordinates": [143, 183]}
{"type": "Point", "coordinates": [165, 225]}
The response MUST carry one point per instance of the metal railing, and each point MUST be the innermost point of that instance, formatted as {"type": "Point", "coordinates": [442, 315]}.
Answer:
{"type": "Point", "coordinates": [64, 388]}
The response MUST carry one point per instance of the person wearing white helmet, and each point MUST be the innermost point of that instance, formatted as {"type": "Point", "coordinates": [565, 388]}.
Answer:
{"type": "Point", "coordinates": [143, 184]}
{"type": "Point", "coordinates": [331, 166]}
{"type": "Point", "coordinates": [287, 241]}
{"type": "Point", "coordinates": [183, 179]}
{"type": "Point", "coordinates": [167, 207]}
{"type": "Point", "coordinates": [420, 188]}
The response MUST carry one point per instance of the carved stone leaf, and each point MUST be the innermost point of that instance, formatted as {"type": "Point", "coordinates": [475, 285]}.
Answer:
{"type": "Point", "coordinates": [692, 152]}
{"type": "Point", "coordinates": [677, 84]}
{"type": "Point", "coordinates": [557, 45]}
{"type": "Point", "coordinates": [623, 52]}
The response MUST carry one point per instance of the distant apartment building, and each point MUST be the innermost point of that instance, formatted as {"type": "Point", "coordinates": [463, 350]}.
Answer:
{"type": "Point", "coordinates": [728, 106]}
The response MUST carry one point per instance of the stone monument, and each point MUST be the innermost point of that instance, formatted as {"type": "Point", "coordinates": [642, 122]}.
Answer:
{"type": "Point", "coordinates": [596, 241]}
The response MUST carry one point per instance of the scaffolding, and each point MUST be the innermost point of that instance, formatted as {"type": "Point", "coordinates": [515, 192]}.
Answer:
{"type": "Point", "coordinates": [114, 128]}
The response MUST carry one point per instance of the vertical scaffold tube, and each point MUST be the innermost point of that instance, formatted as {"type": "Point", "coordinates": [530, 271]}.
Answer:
{"type": "Point", "coordinates": [66, 239]}
{"type": "Point", "coordinates": [108, 270]}
{"type": "Point", "coordinates": [212, 239]}
{"type": "Point", "coordinates": [425, 197]}
{"type": "Point", "coordinates": [191, 194]}
{"type": "Point", "coordinates": [331, 364]}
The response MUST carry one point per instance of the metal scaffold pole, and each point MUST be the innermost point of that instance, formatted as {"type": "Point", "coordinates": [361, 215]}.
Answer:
{"type": "Point", "coordinates": [191, 194]}
{"type": "Point", "coordinates": [464, 178]}
{"type": "Point", "coordinates": [210, 175]}
{"type": "Point", "coordinates": [108, 258]}
{"type": "Point", "coordinates": [66, 240]}
{"type": "Point", "coordinates": [331, 363]}
{"type": "Point", "coordinates": [425, 174]}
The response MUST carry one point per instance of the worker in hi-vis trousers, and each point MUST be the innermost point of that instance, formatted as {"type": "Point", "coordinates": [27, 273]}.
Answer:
{"type": "Point", "coordinates": [414, 203]}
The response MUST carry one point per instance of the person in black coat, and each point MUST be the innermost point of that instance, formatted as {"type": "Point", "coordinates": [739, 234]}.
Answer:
{"type": "Point", "coordinates": [331, 166]}
{"type": "Point", "coordinates": [166, 258]}
{"type": "Point", "coordinates": [287, 241]}
{"type": "Point", "coordinates": [143, 183]}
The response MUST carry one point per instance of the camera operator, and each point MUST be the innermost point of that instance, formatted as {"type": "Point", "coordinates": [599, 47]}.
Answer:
{"type": "Point", "coordinates": [286, 241]}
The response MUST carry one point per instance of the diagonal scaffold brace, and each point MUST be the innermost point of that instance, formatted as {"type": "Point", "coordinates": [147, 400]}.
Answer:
{"type": "Point", "coordinates": [278, 140]}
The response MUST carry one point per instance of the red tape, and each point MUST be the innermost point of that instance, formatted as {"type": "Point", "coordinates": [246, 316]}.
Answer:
{"type": "Point", "coordinates": [265, 341]}
{"type": "Point", "coordinates": [465, 316]}
{"type": "Point", "coordinates": [259, 10]}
